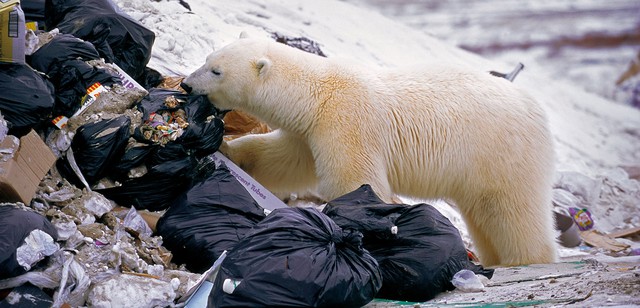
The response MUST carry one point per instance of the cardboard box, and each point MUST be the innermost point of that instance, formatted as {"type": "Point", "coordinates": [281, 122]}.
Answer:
{"type": "Point", "coordinates": [12, 32]}
{"type": "Point", "coordinates": [21, 175]}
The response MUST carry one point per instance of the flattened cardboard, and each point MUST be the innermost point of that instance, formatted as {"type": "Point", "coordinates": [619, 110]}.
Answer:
{"type": "Point", "coordinates": [21, 175]}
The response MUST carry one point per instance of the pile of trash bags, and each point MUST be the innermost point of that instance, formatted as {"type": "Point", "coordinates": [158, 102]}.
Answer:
{"type": "Point", "coordinates": [80, 31]}
{"type": "Point", "coordinates": [117, 37]}
{"type": "Point", "coordinates": [125, 146]}
{"type": "Point", "coordinates": [393, 251]}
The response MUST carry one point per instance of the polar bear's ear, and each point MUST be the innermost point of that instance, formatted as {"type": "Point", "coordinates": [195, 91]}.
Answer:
{"type": "Point", "coordinates": [244, 35]}
{"type": "Point", "coordinates": [263, 66]}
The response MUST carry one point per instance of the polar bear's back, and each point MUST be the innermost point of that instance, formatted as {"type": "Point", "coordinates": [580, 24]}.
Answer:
{"type": "Point", "coordinates": [458, 124]}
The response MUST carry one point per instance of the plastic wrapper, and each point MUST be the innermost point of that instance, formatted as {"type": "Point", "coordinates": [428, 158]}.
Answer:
{"type": "Point", "coordinates": [16, 225]}
{"type": "Point", "coordinates": [118, 38]}
{"type": "Point", "coordinates": [59, 141]}
{"type": "Point", "coordinates": [37, 245]}
{"type": "Point", "coordinates": [297, 257]}
{"type": "Point", "coordinates": [96, 146]}
{"type": "Point", "coordinates": [74, 283]}
{"type": "Point", "coordinates": [135, 222]}
{"type": "Point", "coordinates": [4, 128]}
{"type": "Point", "coordinates": [9, 145]}
{"type": "Point", "coordinates": [63, 59]}
{"type": "Point", "coordinates": [26, 98]}
{"type": "Point", "coordinates": [467, 281]}
{"type": "Point", "coordinates": [582, 217]}
{"type": "Point", "coordinates": [417, 248]}
{"type": "Point", "coordinates": [96, 204]}
{"type": "Point", "coordinates": [140, 292]}
{"type": "Point", "coordinates": [208, 219]}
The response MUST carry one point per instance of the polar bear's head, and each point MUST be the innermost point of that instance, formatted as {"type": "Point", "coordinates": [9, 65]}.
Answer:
{"type": "Point", "coordinates": [231, 75]}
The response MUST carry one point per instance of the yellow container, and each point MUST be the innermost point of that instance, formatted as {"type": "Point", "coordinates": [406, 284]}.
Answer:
{"type": "Point", "coordinates": [12, 32]}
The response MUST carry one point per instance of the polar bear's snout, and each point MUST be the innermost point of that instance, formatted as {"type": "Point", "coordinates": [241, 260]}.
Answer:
{"type": "Point", "coordinates": [195, 83]}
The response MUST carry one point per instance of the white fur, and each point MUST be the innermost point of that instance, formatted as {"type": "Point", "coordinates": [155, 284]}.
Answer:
{"type": "Point", "coordinates": [430, 131]}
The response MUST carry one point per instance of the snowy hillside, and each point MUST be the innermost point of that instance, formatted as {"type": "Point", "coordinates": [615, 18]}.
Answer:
{"type": "Point", "coordinates": [587, 42]}
{"type": "Point", "coordinates": [593, 135]}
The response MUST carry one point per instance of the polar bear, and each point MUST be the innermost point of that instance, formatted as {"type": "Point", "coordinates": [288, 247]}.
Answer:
{"type": "Point", "coordinates": [431, 131]}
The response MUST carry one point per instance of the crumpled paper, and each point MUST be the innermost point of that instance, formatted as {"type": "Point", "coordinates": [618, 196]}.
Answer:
{"type": "Point", "coordinates": [37, 245]}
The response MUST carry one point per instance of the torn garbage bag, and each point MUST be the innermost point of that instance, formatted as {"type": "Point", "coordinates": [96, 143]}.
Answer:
{"type": "Point", "coordinates": [155, 190]}
{"type": "Point", "coordinates": [96, 147]}
{"type": "Point", "coordinates": [417, 248]}
{"type": "Point", "coordinates": [208, 219]}
{"type": "Point", "coordinates": [118, 38]}
{"type": "Point", "coordinates": [63, 59]}
{"type": "Point", "coordinates": [297, 257]}
{"type": "Point", "coordinates": [16, 225]}
{"type": "Point", "coordinates": [171, 116]}
{"type": "Point", "coordinates": [26, 98]}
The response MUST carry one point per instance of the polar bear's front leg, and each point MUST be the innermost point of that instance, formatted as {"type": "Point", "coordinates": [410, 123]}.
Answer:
{"type": "Point", "coordinates": [279, 161]}
{"type": "Point", "coordinates": [343, 166]}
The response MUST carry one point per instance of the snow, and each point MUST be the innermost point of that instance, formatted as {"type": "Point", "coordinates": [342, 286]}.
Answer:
{"type": "Point", "coordinates": [594, 136]}
{"type": "Point", "coordinates": [586, 42]}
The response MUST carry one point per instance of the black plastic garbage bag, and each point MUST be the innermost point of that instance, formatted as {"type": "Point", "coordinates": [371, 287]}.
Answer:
{"type": "Point", "coordinates": [133, 157]}
{"type": "Point", "coordinates": [297, 257]}
{"type": "Point", "coordinates": [208, 219]}
{"type": "Point", "coordinates": [157, 189]}
{"type": "Point", "coordinates": [148, 155]}
{"type": "Point", "coordinates": [200, 108]}
{"type": "Point", "coordinates": [200, 137]}
{"type": "Point", "coordinates": [26, 98]}
{"type": "Point", "coordinates": [15, 226]}
{"type": "Point", "coordinates": [197, 107]}
{"type": "Point", "coordinates": [62, 48]}
{"type": "Point", "coordinates": [119, 38]}
{"type": "Point", "coordinates": [203, 139]}
{"type": "Point", "coordinates": [63, 60]}
{"type": "Point", "coordinates": [417, 248]}
{"type": "Point", "coordinates": [150, 78]}
{"type": "Point", "coordinates": [168, 152]}
{"type": "Point", "coordinates": [98, 145]}
{"type": "Point", "coordinates": [33, 10]}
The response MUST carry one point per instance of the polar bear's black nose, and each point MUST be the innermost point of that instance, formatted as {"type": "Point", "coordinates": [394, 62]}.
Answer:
{"type": "Point", "coordinates": [186, 87]}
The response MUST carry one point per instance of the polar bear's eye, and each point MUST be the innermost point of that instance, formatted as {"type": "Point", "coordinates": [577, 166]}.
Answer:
{"type": "Point", "coordinates": [216, 72]}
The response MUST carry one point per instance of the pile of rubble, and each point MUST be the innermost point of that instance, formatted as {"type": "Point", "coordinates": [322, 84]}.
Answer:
{"type": "Point", "coordinates": [115, 193]}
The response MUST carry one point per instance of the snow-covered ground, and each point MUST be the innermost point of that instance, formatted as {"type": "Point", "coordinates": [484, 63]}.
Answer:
{"type": "Point", "coordinates": [594, 136]}
{"type": "Point", "coordinates": [587, 42]}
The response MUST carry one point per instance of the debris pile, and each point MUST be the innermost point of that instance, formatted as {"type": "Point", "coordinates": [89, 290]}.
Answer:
{"type": "Point", "coordinates": [114, 193]}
